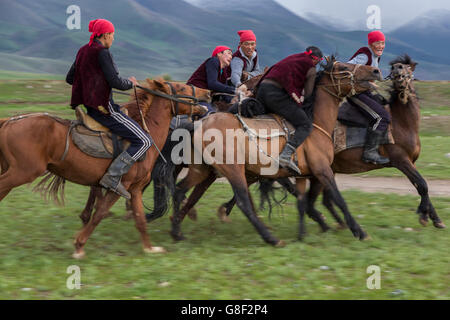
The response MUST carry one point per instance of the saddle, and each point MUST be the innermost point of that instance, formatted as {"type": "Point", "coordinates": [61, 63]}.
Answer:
{"type": "Point", "coordinates": [95, 139]}
{"type": "Point", "coordinates": [351, 129]}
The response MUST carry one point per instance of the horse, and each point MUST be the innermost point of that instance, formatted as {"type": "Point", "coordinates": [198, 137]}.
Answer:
{"type": "Point", "coordinates": [32, 144]}
{"type": "Point", "coordinates": [405, 113]}
{"type": "Point", "coordinates": [333, 84]}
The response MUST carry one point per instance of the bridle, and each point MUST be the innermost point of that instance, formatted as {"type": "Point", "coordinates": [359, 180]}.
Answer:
{"type": "Point", "coordinates": [336, 78]}
{"type": "Point", "coordinates": [173, 97]}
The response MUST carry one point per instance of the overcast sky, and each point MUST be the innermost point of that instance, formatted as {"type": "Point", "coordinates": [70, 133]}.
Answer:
{"type": "Point", "coordinates": [393, 12]}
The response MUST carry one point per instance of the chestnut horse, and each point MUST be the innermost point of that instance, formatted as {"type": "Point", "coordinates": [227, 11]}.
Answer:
{"type": "Point", "coordinates": [405, 113]}
{"type": "Point", "coordinates": [32, 144]}
{"type": "Point", "coordinates": [337, 81]}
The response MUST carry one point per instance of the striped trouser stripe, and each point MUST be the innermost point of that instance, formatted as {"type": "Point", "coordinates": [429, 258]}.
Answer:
{"type": "Point", "coordinates": [133, 128]}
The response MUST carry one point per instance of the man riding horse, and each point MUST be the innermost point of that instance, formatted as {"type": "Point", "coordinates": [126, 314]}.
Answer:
{"type": "Point", "coordinates": [213, 75]}
{"type": "Point", "coordinates": [280, 91]}
{"type": "Point", "coordinates": [245, 63]}
{"type": "Point", "coordinates": [368, 104]}
{"type": "Point", "coordinates": [92, 76]}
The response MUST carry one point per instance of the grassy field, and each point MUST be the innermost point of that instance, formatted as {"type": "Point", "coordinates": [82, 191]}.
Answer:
{"type": "Point", "coordinates": [225, 261]}
{"type": "Point", "coordinates": [222, 261]}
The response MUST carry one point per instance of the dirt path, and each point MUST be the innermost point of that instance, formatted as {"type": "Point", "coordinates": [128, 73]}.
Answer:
{"type": "Point", "coordinates": [390, 185]}
{"type": "Point", "coordinates": [398, 185]}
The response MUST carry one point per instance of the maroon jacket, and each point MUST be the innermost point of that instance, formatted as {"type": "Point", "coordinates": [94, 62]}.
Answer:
{"type": "Point", "coordinates": [90, 86]}
{"type": "Point", "coordinates": [367, 52]}
{"type": "Point", "coordinates": [290, 73]}
{"type": "Point", "coordinates": [239, 55]}
{"type": "Point", "coordinates": [210, 76]}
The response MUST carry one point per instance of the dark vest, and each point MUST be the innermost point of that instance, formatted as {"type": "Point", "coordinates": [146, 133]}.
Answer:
{"type": "Point", "coordinates": [291, 72]}
{"type": "Point", "coordinates": [198, 78]}
{"type": "Point", "coordinates": [367, 52]}
{"type": "Point", "coordinates": [89, 85]}
{"type": "Point", "coordinates": [239, 55]}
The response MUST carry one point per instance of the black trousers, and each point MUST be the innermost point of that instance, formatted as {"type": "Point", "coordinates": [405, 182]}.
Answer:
{"type": "Point", "coordinates": [277, 100]}
{"type": "Point", "coordinates": [371, 109]}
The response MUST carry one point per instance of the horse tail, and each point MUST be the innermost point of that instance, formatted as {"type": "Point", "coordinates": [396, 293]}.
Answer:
{"type": "Point", "coordinates": [267, 194]}
{"type": "Point", "coordinates": [163, 177]}
{"type": "Point", "coordinates": [50, 186]}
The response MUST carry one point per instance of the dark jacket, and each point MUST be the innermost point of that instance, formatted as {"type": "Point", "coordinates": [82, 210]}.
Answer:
{"type": "Point", "coordinates": [291, 73]}
{"type": "Point", "coordinates": [210, 76]}
{"type": "Point", "coordinates": [93, 75]}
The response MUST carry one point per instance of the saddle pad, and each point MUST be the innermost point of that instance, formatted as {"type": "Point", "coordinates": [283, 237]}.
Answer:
{"type": "Point", "coordinates": [346, 137]}
{"type": "Point", "coordinates": [94, 143]}
{"type": "Point", "coordinates": [268, 122]}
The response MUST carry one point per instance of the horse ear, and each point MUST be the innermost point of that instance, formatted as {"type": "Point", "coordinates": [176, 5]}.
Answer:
{"type": "Point", "coordinates": [159, 84]}
{"type": "Point", "coordinates": [413, 66]}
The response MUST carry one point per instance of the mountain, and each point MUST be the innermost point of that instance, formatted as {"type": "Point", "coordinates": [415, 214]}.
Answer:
{"type": "Point", "coordinates": [174, 37]}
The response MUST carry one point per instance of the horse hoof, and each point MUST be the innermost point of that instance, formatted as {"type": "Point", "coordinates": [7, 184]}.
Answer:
{"type": "Point", "coordinates": [439, 225]}
{"type": "Point", "coordinates": [79, 255]}
{"type": "Point", "coordinates": [280, 244]}
{"type": "Point", "coordinates": [222, 214]}
{"type": "Point", "coordinates": [341, 226]}
{"type": "Point", "coordinates": [178, 237]}
{"type": "Point", "coordinates": [192, 214]}
{"type": "Point", "coordinates": [366, 237]}
{"type": "Point", "coordinates": [155, 250]}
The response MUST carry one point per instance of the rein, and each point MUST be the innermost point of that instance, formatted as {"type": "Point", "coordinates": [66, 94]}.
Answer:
{"type": "Point", "coordinates": [337, 86]}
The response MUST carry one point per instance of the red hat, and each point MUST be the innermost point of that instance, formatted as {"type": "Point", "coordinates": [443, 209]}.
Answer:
{"type": "Point", "coordinates": [246, 35]}
{"type": "Point", "coordinates": [98, 27]}
{"type": "Point", "coordinates": [219, 49]}
{"type": "Point", "coordinates": [375, 36]}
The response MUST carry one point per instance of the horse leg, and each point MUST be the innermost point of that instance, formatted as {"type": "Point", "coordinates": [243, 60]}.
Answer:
{"type": "Point", "coordinates": [102, 207]}
{"type": "Point", "coordinates": [326, 178]}
{"type": "Point", "coordinates": [301, 206]}
{"type": "Point", "coordinates": [202, 179]}
{"type": "Point", "coordinates": [236, 177]}
{"type": "Point", "coordinates": [425, 208]}
{"type": "Point", "coordinates": [141, 224]}
{"type": "Point", "coordinates": [15, 177]}
{"type": "Point", "coordinates": [85, 215]}
{"type": "Point", "coordinates": [314, 191]}
{"type": "Point", "coordinates": [326, 201]}
{"type": "Point", "coordinates": [224, 210]}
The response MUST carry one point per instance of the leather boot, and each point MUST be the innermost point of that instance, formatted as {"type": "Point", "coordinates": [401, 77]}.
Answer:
{"type": "Point", "coordinates": [285, 158]}
{"type": "Point", "coordinates": [370, 153]}
{"type": "Point", "coordinates": [119, 167]}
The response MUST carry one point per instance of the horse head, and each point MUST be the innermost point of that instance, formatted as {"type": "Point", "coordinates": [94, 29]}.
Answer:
{"type": "Point", "coordinates": [402, 70]}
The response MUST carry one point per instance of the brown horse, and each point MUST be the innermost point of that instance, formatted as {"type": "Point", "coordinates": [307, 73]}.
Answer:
{"type": "Point", "coordinates": [337, 81]}
{"type": "Point", "coordinates": [32, 144]}
{"type": "Point", "coordinates": [405, 113]}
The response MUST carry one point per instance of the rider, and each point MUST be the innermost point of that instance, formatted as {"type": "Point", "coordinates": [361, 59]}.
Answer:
{"type": "Point", "coordinates": [92, 76]}
{"type": "Point", "coordinates": [244, 64]}
{"type": "Point", "coordinates": [213, 75]}
{"type": "Point", "coordinates": [280, 90]}
{"type": "Point", "coordinates": [367, 102]}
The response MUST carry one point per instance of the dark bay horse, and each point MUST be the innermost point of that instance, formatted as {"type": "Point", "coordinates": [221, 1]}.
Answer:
{"type": "Point", "coordinates": [32, 144]}
{"type": "Point", "coordinates": [337, 81]}
{"type": "Point", "coordinates": [405, 113]}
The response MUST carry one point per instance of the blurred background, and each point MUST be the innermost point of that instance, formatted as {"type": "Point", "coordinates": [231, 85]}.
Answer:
{"type": "Point", "coordinates": [173, 37]}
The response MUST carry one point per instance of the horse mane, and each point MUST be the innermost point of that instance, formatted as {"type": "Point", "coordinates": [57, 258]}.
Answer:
{"type": "Point", "coordinates": [308, 104]}
{"type": "Point", "coordinates": [145, 98]}
{"type": "Point", "coordinates": [403, 59]}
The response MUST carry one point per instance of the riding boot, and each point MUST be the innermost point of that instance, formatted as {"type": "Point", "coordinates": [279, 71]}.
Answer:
{"type": "Point", "coordinates": [370, 154]}
{"type": "Point", "coordinates": [285, 158]}
{"type": "Point", "coordinates": [119, 167]}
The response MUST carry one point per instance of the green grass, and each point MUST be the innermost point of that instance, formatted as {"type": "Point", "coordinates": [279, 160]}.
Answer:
{"type": "Point", "coordinates": [222, 261]}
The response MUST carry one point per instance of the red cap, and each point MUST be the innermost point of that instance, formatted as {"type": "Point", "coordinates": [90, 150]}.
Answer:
{"type": "Point", "coordinates": [246, 35]}
{"type": "Point", "coordinates": [375, 36]}
{"type": "Point", "coordinates": [98, 27]}
{"type": "Point", "coordinates": [219, 49]}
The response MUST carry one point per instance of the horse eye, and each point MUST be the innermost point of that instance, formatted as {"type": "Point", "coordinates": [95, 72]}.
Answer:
{"type": "Point", "coordinates": [400, 67]}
